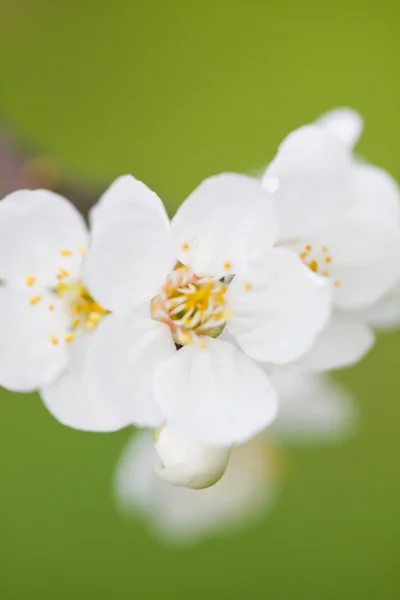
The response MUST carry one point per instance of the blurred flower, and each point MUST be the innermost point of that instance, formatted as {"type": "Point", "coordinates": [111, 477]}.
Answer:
{"type": "Point", "coordinates": [313, 409]}
{"type": "Point", "coordinates": [341, 216]}
{"type": "Point", "coordinates": [182, 284]}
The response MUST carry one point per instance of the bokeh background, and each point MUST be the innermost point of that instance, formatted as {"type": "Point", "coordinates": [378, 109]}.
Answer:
{"type": "Point", "coordinates": [172, 92]}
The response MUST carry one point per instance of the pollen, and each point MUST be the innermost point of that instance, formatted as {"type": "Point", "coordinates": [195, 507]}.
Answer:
{"type": "Point", "coordinates": [313, 266]}
{"type": "Point", "coordinates": [69, 337]}
{"type": "Point", "coordinates": [30, 280]}
{"type": "Point", "coordinates": [66, 252]}
{"type": "Point", "coordinates": [35, 299]}
{"type": "Point", "coordinates": [54, 339]}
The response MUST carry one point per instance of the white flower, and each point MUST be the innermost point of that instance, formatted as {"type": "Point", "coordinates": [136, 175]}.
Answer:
{"type": "Point", "coordinates": [341, 216]}
{"type": "Point", "coordinates": [182, 283]}
{"type": "Point", "coordinates": [48, 318]}
{"type": "Point", "coordinates": [186, 463]}
{"type": "Point", "coordinates": [313, 410]}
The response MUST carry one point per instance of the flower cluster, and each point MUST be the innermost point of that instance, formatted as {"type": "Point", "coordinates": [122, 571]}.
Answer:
{"type": "Point", "coordinates": [194, 327]}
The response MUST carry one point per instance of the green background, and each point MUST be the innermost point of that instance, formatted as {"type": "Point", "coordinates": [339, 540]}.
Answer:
{"type": "Point", "coordinates": [172, 92]}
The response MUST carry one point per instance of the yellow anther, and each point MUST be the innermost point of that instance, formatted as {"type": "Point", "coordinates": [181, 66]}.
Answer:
{"type": "Point", "coordinates": [81, 249]}
{"type": "Point", "coordinates": [91, 324]}
{"type": "Point", "coordinates": [325, 273]}
{"type": "Point", "coordinates": [35, 299]}
{"type": "Point", "coordinates": [307, 247]}
{"type": "Point", "coordinates": [337, 283]}
{"type": "Point", "coordinates": [328, 259]}
{"type": "Point", "coordinates": [227, 265]}
{"type": "Point", "coordinates": [54, 339]}
{"type": "Point", "coordinates": [324, 249]}
{"type": "Point", "coordinates": [248, 286]}
{"type": "Point", "coordinates": [313, 265]}
{"type": "Point", "coordinates": [65, 252]}
{"type": "Point", "coordinates": [76, 323]}
{"type": "Point", "coordinates": [69, 337]}
{"type": "Point", "coordinates": [63, 272]}
{"type": "Point", "coordinates": [61, 286]}
{"type": "Point", "coordinates": [51, 306]}
{"type": "Point", "coordinates": [30, 280]}
{"type": "Point", "coordinates": [303, 255]}
{"type": "Point", "coordinates": [185, 246]}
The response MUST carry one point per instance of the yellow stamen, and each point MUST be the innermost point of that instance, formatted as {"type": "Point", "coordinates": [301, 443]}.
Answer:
{"type": "Point", "coordinates": [65, 252]}
{"type": "Point", "coordinates": [307, 247]}
{"type": "Point", "coordinates": [30, 280]}
{"type": "Point", "coordinates": [76, 323]}
{"type": "Point", "coordinates": [61, 286]}
{"type": "Point", "coordinates": [337, 283]}
{"type": "Point", "coordinates": [35, 299]}
{"type": "Point", "coordinates": [51, 306]}
{"type": "Point", "coordinates": [81, 249]}
{"type": "Point", "coordinates": [227, 265]}
{"type": "Point", "coordinates": [248, 286]}
{"type": "Point", "coordinates": [185, 246]}
{"type": "Point", "coordinates": [303, 255]}
{"type": "Point", "coordinates": [328, 259]}
{"type": "Point", "coordinates": [69, 337]}
{"type": "Point", "coordinates": [324, 249]}
{"type": "Point", "coordinates": [54, 339]}
{"type": "Point", "coordinates": [63, 272]}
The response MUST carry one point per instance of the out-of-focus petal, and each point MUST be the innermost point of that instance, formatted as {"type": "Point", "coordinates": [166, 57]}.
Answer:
{"type": "Point", "coordinates": [344, 123]}
{"type": "Point", "coordinates": [310, 175]}
{"type": "Point", "coordinates": [312, 408]}
{"type": "Point", "coordinates": [183, 515]}
{"type": "Point", "coordinates": [343, 342]}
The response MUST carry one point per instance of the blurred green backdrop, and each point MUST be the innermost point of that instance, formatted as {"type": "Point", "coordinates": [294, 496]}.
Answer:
{"type": "Point", "coordinates": [172, 92]}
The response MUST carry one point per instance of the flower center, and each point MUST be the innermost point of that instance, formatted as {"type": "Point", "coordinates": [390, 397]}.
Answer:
{"type": "Point", "coordinates": [71, 297]}
{"type": "Point", "coordinates": [191, 306]}
{"type": "Point", "coordinates": [318, 260]}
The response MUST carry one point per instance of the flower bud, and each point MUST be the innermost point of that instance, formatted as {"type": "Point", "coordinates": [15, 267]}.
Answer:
{"type": "Point", "coordinates": [186, 463]}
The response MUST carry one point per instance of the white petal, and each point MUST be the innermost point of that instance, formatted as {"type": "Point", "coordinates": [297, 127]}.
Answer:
{"type": "Point", "coordinates": [214, 394]}
{"type": "Point", "coordinates": [343, 342]}
{"type": "Point", "coordinates": [28, 359]}
{"type": "Point", "coordinates": [373, 194]}
{"type": "Point", "coordinates": [225, 221]}
{"type": "Point", "coordinates": [128, 349]}
{"type": "Point", "coordinates": [312, 168]}
{"type": "Point", "coordinates": [384, 314]}
{"type": "Point", "coordinates": [279, 308]}
{"type": "Point", "coordinates": [35, 226]}
{"type": "Point", "coordinates": [365, 259]}
{"type": "Point", "coordinates": [186, 463]}
{"type": "Point", "coordinates": [312, 408]}
{"type": "Point", "coordinates": [345, 123]}
{"type": "Point", "coordinates": [178, 514]}
{"type": "Point", "coordinates": [77, 399]}
{"type": "Point", "coordinates": [129, 255]}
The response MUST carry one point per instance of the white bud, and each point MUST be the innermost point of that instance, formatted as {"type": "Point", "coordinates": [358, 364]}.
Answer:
{"type": "Point", "coordinates": [186, 463]}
